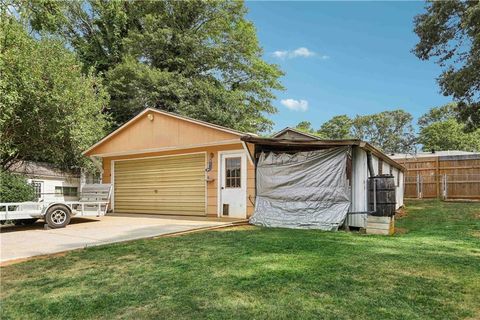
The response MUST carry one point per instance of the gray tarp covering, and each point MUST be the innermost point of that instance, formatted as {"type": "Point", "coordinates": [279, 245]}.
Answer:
{"type": "Point", "coordinates": [306, 190]}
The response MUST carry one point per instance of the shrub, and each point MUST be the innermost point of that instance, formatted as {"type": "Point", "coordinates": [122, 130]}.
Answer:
{"type": "Point", "coordinates": [14, 188]}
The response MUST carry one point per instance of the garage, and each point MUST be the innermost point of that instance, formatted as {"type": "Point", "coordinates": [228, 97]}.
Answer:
{"type": "Point", "coordinates": [167, 164]}
{"type": "Point", "coordinates": [173, 185]}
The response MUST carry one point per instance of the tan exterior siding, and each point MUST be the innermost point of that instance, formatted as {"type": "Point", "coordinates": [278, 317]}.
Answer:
{"type": "Point", "coordinates": [143, 135]}
{"type": "Point", "coordinates": [212, 185]}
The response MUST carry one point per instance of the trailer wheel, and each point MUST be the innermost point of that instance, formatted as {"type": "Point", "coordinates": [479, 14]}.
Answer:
{"type": "Point", "coordinates": [57, 217]}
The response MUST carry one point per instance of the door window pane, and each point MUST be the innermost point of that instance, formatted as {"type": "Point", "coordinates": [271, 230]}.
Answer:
{"type": "Point", "coordinates": [233, 176]}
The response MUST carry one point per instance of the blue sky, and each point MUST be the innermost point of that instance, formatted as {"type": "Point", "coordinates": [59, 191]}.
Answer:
{"type": "Point", "coordinates": [345, 58]}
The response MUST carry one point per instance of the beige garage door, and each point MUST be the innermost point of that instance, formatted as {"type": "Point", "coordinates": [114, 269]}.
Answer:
{"type": "Point", "coordinates": [163, 185]}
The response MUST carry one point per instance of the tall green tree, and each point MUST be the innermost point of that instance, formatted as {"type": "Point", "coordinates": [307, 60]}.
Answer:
{"type": "Point", "coordinates": [391, 131]}
{"type": "Point", "coordinates": [438, 114]}
{"type": "Point", "coordinates": [339, 127]}
{"type": "Point", "coordinates": [440, 130]}
{"type": "Point", "coordinates": [449, 33]}
{"type": "Point", "coordinates": [305, 126]}
{"type": "Point", "coordinates": [95, 29]}
{"type": "Point", "coordinates": [49, 110]}
{"type": "Point", "coordinates": [448, 135]}
{"type": "Point", "coordinates": [197, 58]}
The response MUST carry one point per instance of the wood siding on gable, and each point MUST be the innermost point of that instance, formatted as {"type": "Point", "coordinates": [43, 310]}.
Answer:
{"type": "Point", "coordinates": [162, 131]}
{"type": "Point", "coordinates": [292, 135]}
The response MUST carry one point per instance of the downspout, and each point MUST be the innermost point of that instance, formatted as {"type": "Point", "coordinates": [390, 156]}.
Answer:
{"type": "Point", "coordinates": [370, 165]}
{"type": "Point", "coordinates": [371, 171]}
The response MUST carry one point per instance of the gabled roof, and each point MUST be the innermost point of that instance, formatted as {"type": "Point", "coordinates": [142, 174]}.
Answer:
{"type": "Point", "coordinates": [165, 113]}
{"type": "Point", "coordinates": [308, 135]}
{"type": "Point", "coordinates": [41, 169]}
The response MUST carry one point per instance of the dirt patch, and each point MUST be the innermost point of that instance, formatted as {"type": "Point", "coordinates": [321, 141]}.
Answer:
{"type": "Point", "coordinates": [236, 228]}
{"type": "Point", "coordinates": [401, 230]}
{"type": "Point", "coordinates": [401, 213]}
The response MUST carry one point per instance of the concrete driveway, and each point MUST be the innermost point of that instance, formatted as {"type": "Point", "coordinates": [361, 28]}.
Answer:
{"type": "Point", "coordinates": [25, 242]}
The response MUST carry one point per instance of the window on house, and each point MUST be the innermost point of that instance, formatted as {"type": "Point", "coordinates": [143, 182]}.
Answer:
{"type": "Point", "coordinates": [66, 191]}
{"type": "Point", "coordinates": [233, 172]}
{"type": "Point", "coordinates": [37, 189]}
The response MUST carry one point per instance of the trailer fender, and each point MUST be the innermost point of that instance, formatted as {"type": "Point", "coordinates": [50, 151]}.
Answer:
{"type": "Point", "coordinates": [45, 209]}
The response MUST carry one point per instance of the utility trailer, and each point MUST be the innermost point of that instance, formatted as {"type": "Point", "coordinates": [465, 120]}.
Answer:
{"type": "Point", "coordinates": [94, 200]}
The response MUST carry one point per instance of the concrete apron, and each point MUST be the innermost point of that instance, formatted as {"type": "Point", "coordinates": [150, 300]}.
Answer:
{"type": "Point", "coordinates": [22, 243]}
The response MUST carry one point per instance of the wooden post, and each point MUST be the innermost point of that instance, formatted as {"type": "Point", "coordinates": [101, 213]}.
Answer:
{"type": "Point", "coordinates": [443, 187]}
{"type": "Point", "coordinates": [418, 186]}
{"type": "Point", "coordinates": [446, 186]}
{"type": "Point", "coordinates": [437, 177]}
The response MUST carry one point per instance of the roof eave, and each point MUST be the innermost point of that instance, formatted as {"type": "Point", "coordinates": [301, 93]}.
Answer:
{"type": "Point", "coordinates": [324, 143]}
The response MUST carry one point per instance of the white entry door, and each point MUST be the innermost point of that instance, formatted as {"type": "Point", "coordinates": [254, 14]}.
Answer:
{"type": "Point", "coordinates": [233, 184]}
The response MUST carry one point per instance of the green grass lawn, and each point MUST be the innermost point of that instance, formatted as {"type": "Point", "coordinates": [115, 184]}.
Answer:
{"type": "Point", "coordinates": [430, 271]}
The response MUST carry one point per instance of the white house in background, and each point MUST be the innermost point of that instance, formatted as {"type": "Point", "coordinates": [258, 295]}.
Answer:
{"type": "Point", "coordinates": [51, 183]}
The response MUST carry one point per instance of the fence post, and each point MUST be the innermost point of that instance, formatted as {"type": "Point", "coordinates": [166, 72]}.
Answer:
{"type": "Point", "coordinates": [421, 186]}
{"type": "Point", "coordinates": [418, 187]}
{"type": "Point", "coordinates": [445, 187]}
{"type": "Point", "coordinates": [437, 177]}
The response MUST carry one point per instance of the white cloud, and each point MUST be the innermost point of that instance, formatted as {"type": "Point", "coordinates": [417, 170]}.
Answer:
{"type": "Point", "coordinates": [295, 105]}
{"type": "Point", "coordinates": [282, 54]}
{"type": "Point", "coordinates": [301, 52]}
